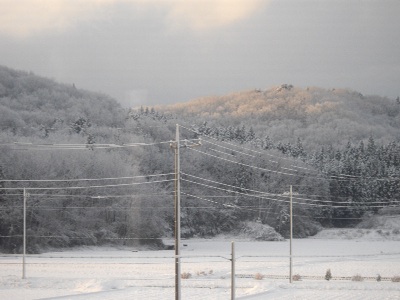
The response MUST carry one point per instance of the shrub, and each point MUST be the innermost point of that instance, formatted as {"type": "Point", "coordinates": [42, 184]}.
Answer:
{"type": "Point", "coordinates": [204, 273]}
{"type": "Point", "coordinates": [186, 275]}
{"type": "Point", "coordinates": [258, 276]}
{"type": "Point", "coordinates": [296, 277]}
{"type": "Point", "coordinates": [328, 275]}
{"type": "Point", "coordinates": [396, 279]}
{"type": "Point", "coordinates": [357, 277]}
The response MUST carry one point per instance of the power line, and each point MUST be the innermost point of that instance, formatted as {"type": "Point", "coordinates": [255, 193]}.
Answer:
{"type": "Point", "coordinates": [33, 146]}
{"type": "Point", "coordinates": [316, 176]}
{"type": "Point", "coordinates": [211, 201]}
{"type": "Point", "coordinates": [261, 195]}
{"type": "Point", "coordinates": [113, 208]}
{"type": "Point", "coordinates": [231, 144]}
{"type": "Point", "coordinates": [259, 192]}
{"type": "Point", "coordinates": [230, 149]}
{"type": "Point", "coordinates": [100, 197]}
{"type": "Point", "coordinates": [82, 179]}
{"type": "Point", "coordinates": [89, 187]}
{"type": "Point", "coordinates": [249, 149]}
{"type": "Point", "coordinates": [339, 177]}
{"type": "Point", "coordinates": [246, 165]}
{"type": "Point", "coordinates": [236, 192]}
{"type": "Point", "coordinates": [228, 185]}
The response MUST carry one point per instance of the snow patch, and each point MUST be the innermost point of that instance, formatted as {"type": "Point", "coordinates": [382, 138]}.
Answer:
{"type": "Point", "coordinates": [376, 227]}
{"type": "Point", "coordinates": [89, 286]}
{"type": "Point", "coordinates": [259, 232]}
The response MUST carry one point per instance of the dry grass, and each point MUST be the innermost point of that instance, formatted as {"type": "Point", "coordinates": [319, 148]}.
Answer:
{"type": "Point", "coordinates": [186, 275]}
{"type": "Point", "coordinates": [204, 273]}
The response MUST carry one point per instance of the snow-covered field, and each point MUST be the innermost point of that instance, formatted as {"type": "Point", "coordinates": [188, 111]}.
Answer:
{"type": "Point", "coordinates": [123, 273]}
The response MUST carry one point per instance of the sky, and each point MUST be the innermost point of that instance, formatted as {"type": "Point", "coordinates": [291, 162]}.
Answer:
{"type": "Point", "coordinates": [147, 52]}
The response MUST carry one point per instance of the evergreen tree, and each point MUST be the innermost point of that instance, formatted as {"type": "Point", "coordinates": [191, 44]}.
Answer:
{"type": "Point", "coordinates": [371, 148]}
{"type": "Point", "coordinates": [328, 275]}
{"type": "Point", "coordinates": [250, 135]}
{"type": "Point", "coordinates": [267, 143]}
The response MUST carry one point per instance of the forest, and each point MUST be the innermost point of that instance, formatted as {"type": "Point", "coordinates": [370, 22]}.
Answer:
{"type": "Point", "coordinates": [95, 173]}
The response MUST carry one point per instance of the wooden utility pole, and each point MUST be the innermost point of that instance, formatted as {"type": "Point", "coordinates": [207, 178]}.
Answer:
{"type": "Point", "coordinates": [24, 238]}
{"type": "Point", "coordinates": [177, 217]}
{"type": "Point", "coordinates": [233, 288]}
{"type": "Point", "coordinates": [291, 235]}
{"type": "Point", "coordinates": [176, 145]}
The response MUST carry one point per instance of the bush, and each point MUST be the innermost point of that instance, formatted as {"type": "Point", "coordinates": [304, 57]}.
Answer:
{"type": "Point", "coordinates": [396, 279]}
{"type": "Point", "coordinates": [296, 277]}
{"type": "Point", "coordinates": [357, 277]}
{"type": "Point", "coordinates": [186, 275]}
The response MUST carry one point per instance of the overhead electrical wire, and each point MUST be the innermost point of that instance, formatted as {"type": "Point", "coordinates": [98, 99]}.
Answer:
{"type": "Point", "coordinates": [83, 179]}
{"type": "Point", "coordinates": [247, 195]}
{"type": "Point", "coordinates": [51, 146]}
{"type": "Point", "coordinates": [262, 195]}
{"type": "Point", "coordinates": [248, 149]}
{"type": "Point", "coordinates": [67, 146]}
{"type": "Point", "coordinates": [88, 187]}
{"type": "Point", "coordinates": [230, 149]}
{"type": "Point", "coordinates": [211, 201]}
{"type": "Point", "coordinates": [98, 197]}
{"type": "Point", "coordinates": [266, 210]}
{"type": "Point", "coordinates": [228, 185]}
{"type": "Point", "coordinates": [262, 153]}
{"type": "Point", "coordinates": [338, 177]}
{"type": "Point", "coordinates": [294, 196]}
{"type": "Point", "coordinates": [250, 166]}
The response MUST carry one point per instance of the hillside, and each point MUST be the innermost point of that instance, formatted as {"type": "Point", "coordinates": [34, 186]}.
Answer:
{"type": "Point", "coordinates": [316, 116]}
{"type": "Point", "coordinates": [97, 174]}
{"type": "Point", "coordinates": [33, 105]}
{"type": "Point", "coordinates": [48, 144]}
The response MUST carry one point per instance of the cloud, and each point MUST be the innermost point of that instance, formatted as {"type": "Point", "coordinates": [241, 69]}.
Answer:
{"type": "Point", "coordinates": [208, 14]}
{"type": "Point", "coordinates": [23, 18]}
{"type": "Point", "coordinates": [26, 17]}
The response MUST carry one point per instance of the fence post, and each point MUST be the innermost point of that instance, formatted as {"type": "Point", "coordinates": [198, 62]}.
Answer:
{"type": "Point", "coordinates": [233, 272]}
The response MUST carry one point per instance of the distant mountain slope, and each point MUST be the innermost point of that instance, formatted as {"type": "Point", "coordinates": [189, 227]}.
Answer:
{"type": "Point", "coordinates": [317, 116]}
{"type": "Point", "coordinates": [29, 103]}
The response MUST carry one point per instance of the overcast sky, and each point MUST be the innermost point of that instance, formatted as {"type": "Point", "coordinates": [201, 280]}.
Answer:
{"type": "Point", "coordinates": [145, 52]}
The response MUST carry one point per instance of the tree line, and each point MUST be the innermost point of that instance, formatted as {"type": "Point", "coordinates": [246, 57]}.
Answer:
{"type": "Point", "coordinates": [131, 202]}
{"type": "Point", "coordinates": [360, 173]}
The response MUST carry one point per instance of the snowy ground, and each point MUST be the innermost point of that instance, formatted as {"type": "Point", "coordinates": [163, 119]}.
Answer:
{"type": "Point", "coordinates": [121, 273]}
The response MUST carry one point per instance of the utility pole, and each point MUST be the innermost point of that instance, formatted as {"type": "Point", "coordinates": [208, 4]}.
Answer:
{"type": "Point", "coordinates": [176, 146]}
{"type": "Point", "coordinates": [233, 287]}
{"type": "Point", "coordinates": [26, 195]}
{"type": "Point", "coordinates": [291, 235]}
{"type": "Point", "coordinates": [177, 217]}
